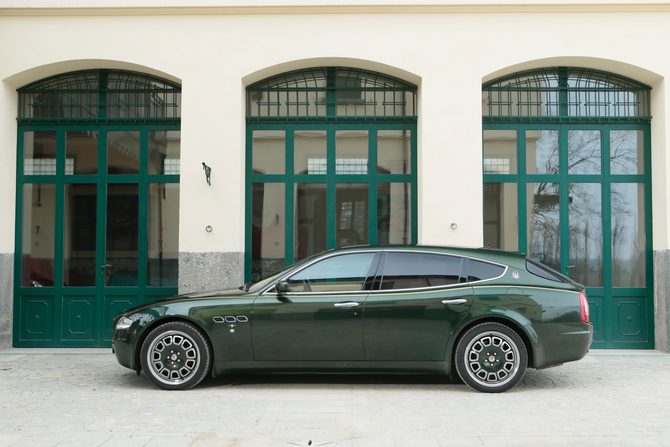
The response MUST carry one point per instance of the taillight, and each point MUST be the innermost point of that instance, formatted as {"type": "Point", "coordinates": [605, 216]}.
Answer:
{"type": "Point", "coordinates": [584, 305]}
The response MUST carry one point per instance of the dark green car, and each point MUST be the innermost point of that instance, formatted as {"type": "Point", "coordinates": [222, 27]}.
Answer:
{"type": "Point", "coordinates": [486, 314]}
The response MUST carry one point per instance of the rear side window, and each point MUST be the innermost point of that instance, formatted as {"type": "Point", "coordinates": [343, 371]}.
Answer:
{"type": "Point", "coordinates": [541, 272]}
{"type": "Point", "coordinates": [480, 271]}
{"type": "Point", "coordinates": [420, 270]}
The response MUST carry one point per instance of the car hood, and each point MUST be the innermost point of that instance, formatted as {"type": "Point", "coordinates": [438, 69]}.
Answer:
{"type": "Point", "coordinates": [232, 292]}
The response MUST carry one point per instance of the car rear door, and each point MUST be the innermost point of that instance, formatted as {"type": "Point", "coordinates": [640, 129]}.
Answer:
{"type": "Point", "coordinates": [421, 298]}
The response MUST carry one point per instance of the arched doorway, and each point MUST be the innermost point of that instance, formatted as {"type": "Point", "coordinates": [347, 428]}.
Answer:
{"type": "Point", "coordinates": [97, 203]}
{"type": "Point", "coordinates": [567, 180]}
{"type": "Point", "coordinates": [331, 161]}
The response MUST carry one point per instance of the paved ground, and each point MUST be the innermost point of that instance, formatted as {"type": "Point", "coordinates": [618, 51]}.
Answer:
{"type": "Point", "coordinates": [84, 398]}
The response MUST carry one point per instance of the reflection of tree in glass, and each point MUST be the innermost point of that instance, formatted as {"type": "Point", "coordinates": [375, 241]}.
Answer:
{"type": "Point", "coordinates": [586, 234]}
{"type": "Point", "coordinates": [624, 151]}
{"type": "Point", "coordinates": [628, 266]}
{"type": "Point", "coordinates": [544, 225]}
{"type": "Point", "coordinates": [584, 152]}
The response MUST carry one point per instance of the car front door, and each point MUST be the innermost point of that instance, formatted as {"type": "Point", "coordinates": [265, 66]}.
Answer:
{"type": "Point", "coordinates": [320, 318]}
{"type": "Point", "coordinates": [422, 297]}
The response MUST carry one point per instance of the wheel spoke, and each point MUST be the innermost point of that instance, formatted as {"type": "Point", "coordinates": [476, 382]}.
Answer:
{"type": "Point", "coordinates": [174, 357]}
{"type": "Point", "coordinates": [492, 359]}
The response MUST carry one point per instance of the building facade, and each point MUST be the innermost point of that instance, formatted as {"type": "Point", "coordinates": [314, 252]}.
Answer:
{"type": "Point", "coordinates": [174, 146]}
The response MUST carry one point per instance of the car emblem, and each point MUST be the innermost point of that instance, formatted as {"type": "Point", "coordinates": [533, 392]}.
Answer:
{"type": "Point", "coordinates": [515, 275]}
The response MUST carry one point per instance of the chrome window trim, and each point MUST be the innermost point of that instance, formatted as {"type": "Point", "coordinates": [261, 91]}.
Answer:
{"type": "Point", "coordinates": [449, 286]}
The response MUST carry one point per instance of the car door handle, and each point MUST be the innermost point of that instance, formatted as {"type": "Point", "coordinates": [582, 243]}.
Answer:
{"type": "Point", "coordinates": [347, 304]}
{"type": "Point", "coordinates": [457, 301]}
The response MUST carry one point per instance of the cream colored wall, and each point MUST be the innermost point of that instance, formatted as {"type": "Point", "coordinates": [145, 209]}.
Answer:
{"type": "Point", "coordinates": [447, 54]}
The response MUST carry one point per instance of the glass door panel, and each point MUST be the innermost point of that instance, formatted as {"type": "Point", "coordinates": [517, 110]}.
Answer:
{"type": "Point", "coordinates": [586, 234]}
{"type": "Point", "coordinates": [394, 220]}
{"type": "Point", "coordinates": [628, 235]}
{"type": "Point", "coordinates": [584, 152]}
{"type": "Point", "coordinates": [79, 239]}
{"type": "Point", "coordinates": [542, 152]}
{"type": "Point", "coordinates": [121, 240]}
{"type": "Point", "coordinates": [351, 209]}
{"type": "Point", "coordinates": [310, 219]}
{"type": "Point", "coordinates": [268, 236]}
{"type": "Point", "coordinates": [39, 230]}
{"type": "Point", "coordinates": [163, 234]}
{"type": "Point", "coordinates": [544, 224]}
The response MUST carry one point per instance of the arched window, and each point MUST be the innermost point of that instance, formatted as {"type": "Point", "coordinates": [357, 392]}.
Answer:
{"type": "Point", "coordinates": [567, 180]}
{"type": "Point", "coordinates": [98, 203]}
{"type": "Point", "coordinates": [331, 161]}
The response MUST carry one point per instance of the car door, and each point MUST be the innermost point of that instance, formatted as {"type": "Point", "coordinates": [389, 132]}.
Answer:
{"type": "Point", "coordinates": [321, 318]}
{"type": "Point", "coordinates": [421, 298]}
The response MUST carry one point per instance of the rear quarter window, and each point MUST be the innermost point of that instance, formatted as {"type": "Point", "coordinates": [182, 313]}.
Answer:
{"type": "Point", "coordinates": [541, 272]}
{"type": "Point", "coordinates": [481, 271]}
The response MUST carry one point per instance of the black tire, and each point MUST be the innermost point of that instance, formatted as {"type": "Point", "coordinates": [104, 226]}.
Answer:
{"type": "Point", "coordinates": [175, 356]}
{"type": "Point", "coordinates": [491, 358]}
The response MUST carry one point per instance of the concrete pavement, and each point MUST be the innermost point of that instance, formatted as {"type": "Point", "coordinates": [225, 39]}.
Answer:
{"type": "Point", "coordinates": [83, 397]}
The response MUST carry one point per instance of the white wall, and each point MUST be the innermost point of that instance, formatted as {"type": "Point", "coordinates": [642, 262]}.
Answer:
{"type": "Point", "coordinates": [448, 55]}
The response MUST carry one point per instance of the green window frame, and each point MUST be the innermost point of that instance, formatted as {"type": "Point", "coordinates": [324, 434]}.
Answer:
{"type": "Point", "coordinates": [328, 102]}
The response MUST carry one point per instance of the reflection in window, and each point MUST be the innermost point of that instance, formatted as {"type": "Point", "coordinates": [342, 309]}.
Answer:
{"type": "Point", "coordinates": [500, 152]}
{"type": "Point", "coordinates": [481, 271]}
{"type": "Point", "coordinates": [544, 224]}
{"type": "Point", "coordinates": [163, 234]}
{"type": "Point", "coordinates": [83, 147]}
{"type": "Point", "coordinates": [586, 234]}
{"type": "Point", "coordinates": [345, 273]}
{"type": "Point", "coordinates": [122, 238]}
{"type": "Point", "coordinates": [164, 152]}
{"type": "Point", "coordinates": [542, 151]}
{"type": "Point", "coordinates": [501, 216]}
{"type": "Point", "coordinates": [351, 152]}
{"type": "Point", "coordinates": [584, 152]}
{"type": "Point", "coordinates": [39, 153]}
{"type": "Point", "coordinates": [628, 235]}
{"type": "Point", "coordinates": [352, 214]}
{"type": "Point", "coordinates": [267, 229]}
{"type": "Point", "coordinates": [627, 151]}
{"type": "Point", "coordinates": [418, 270]}
{"type": "Point", "coordinates": [39, 217]}
{"type": "Point", "coordinates": [269, 151]}
{"type": "Point", "coordinates": [393, 151]}
{"type": "Point", "coordinates": [123, 152]}
{"type": "Point", "coordinates": [310, 219]}
{"type": "Point", "coordinates": [309, 151]}
{"type": "Point", "coordinates": [79, 233]}
{"type": "Point", "coordinates": [394, 220]}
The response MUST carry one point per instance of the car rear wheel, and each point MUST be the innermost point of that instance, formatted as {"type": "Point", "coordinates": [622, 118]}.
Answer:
{"type": "Point", "coordinates": [175, 356]}
{"type": "Point", "coordinates": [491, 358]}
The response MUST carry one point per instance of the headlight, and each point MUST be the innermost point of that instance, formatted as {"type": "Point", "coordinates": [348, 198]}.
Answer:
{"type": "Point", "coordinates": [123, 323]}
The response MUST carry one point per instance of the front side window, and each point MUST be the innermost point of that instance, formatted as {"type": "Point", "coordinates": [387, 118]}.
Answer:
{"type": "Point", "coordinates": [345, 273]}
{"type": "Point", "coordinates": [420, 270]}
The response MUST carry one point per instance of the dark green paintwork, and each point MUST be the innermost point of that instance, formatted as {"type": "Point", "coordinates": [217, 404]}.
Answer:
{"type": "Point", "coordinates": [388, 331]}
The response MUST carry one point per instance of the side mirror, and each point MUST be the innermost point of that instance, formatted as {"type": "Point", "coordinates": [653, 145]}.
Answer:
{"type": "Point", "coordinates": [282, 287]}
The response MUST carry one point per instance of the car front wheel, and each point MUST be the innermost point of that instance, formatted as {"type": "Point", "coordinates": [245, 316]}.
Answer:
{"type": "Point", "coordinates": [175, 356]}
{"type": "Point", "coordinates": [491, 358]}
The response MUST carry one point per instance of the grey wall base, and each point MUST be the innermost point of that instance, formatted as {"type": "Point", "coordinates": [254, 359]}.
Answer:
{"type": "Point", "coordinates": [210, 271]}
{"type": "Point", "coordinates": [6, 299]}
{"type": "Point", "coordinates": [662, 299]}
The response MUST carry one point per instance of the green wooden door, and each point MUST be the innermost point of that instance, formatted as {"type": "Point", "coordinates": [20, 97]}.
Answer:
{"type": "Point", "coordinates": [577, 197]}
{"type": "Point", "coordinates": [97, 221]}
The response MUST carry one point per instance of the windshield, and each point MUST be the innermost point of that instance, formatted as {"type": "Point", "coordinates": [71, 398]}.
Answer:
{"type": "Point", "coordinates": [260, 285]}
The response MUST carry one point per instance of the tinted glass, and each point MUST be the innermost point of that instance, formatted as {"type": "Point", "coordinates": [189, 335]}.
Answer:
{"type": "Point", "coordinates": [541, 272]}
{"type": "Point", "coordinates": [480, 271]}
{"type": "Point", "coordinates": [418, 270]}
{"type": "Point", "coordinates": [345, 273]}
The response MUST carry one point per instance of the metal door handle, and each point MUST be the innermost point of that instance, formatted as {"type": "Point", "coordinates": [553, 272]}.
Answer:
{"type": "Point", "coordinates": [457, 301]}
{"type": "Point", "coordinates": [104, 269]}
{"type": "Point", "coordinates": [347, 304]}
{"type": "Point", "coordinates": [571, 266]}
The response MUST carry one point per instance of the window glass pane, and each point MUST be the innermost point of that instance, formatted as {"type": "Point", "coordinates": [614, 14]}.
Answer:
{"type": "Point", "coordinates": [418, 270]}
{"type": "Point", "coordinates": [267, 229]}
{"type": "Point", "coordinates": [337, 274]}
{"type": "Point", "coordinates": [544, 227]}
{"type": "Point", "coordinates": [163, 234]}
{"type": "Point", "coordinates": [586, 234]}
{"type": "Point", "coordinates": [80, 225]}
{"type": "Point", "coordinates": [39, 153]}
{"type": "Point", "coordinates": [269, 152]}
{"type": "Point", "coordinates": [351, 152]}
{"type": "Point", "coordinates": [501, 216]}
{"type": "Point", "coordinates": [164, 152]}
{"type": "Point", "coordinates": [394, 151]}
{"type": "Point", "coordinates": [500, 152]}
{"type": "Point", "coordinates": [394, 209]}
{"type": "Point", "coordinates": [122, 234]}
{"type": "Point", "coordinates": [39, 231]}
{"type": "Point", "coordinates": [542, 152]}
{"type": "Point", "coordinates": [480, 271]}
{"type": "Point", "coordinates": [584, 152]}
{"type": "Point", "coordinates": [310, 151]}
{"type": "Point", "coordinates": [351, 210]}
{"type": "Point", "coordinates": [627, 152]}
{"type": "Point", "coordinates": [123, 152]}
{"type": "Point", "coordinates": [310, 219]}
{"type": "Point", "coordinates": [81, 152]}
{"type": "Point", "coordinates": [628, 235]}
